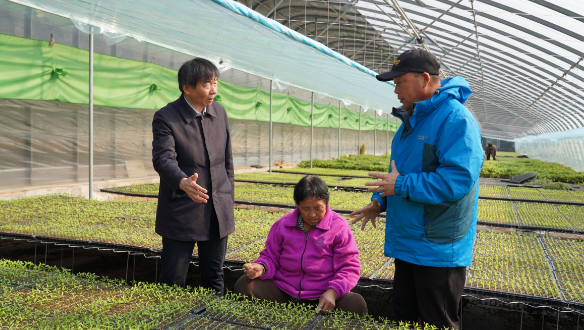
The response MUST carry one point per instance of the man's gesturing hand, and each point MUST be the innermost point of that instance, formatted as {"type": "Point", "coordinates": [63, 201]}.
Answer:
{"type": "Point", "coordinates": [253, 270]}
{"type": "Point", "coordinates": [368, 213]}
{"type": "Point", "coordinates": [326, 302]}
{"type": "Point", "coordinates": [195, 192]}
{"type": "Point", "coordinates": [387, 182]}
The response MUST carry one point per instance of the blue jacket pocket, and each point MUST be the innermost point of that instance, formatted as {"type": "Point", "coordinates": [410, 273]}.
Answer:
{"type": "Point", "coordinates": [447, 224]}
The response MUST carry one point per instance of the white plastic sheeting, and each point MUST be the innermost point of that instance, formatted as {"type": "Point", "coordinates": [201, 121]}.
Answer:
{"type": "Point", "coordinates": [44, 143]}
{"type": "Point", "coordinates": [204, 28]}
{"type": "Point", "coordinates": [564, 147]}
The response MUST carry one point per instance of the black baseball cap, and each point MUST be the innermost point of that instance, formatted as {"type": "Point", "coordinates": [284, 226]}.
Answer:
{"type": "Point", "coordinates": [414, 60]}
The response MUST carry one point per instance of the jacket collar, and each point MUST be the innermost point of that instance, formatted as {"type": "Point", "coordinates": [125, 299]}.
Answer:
{"type": "Point", "coordinates": [324, 224]}
{"type": "Point", "coordinates": [423, 108]}
{"type": "Point", "coordinates": [187, 111]}
{"type": "Point", "coordinates": [396, 112]}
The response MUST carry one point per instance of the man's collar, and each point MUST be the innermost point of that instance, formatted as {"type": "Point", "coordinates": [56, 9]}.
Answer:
{"type": "Point", "coordinates": [188, 112]}
{"type": "Point", "coordinates": [197, 112]}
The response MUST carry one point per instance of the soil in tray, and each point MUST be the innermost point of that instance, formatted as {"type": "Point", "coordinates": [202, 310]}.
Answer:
{"type": "Point", "coordinates": [261, 313]}
{"type": "Point", "coordinates": [206, 323]}
{"type": "Point", "coordinates": [340, 322]}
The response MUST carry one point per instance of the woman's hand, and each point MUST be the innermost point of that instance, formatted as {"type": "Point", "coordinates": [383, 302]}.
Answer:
{"type": "Point", "coordinates": [326, 302]}
{"type": "Point", "coordinates": [253, 270]}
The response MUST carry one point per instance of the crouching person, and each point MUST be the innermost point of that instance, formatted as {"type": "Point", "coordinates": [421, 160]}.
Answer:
{"type": "Point", "coordinates": [310, 256]}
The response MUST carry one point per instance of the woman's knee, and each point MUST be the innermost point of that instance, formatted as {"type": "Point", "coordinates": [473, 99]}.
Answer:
{"type": "Point", "coordinates": [244, 286]}
{"type": "Point", "coordinates": [352, 302]}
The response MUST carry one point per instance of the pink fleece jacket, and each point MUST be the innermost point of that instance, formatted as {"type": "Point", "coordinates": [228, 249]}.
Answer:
{"type": "Point", "coordinates": [306, 266]}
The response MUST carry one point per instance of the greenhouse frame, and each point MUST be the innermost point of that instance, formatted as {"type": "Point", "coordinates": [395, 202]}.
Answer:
{"type": "Point", "coordinates": [81, 80]}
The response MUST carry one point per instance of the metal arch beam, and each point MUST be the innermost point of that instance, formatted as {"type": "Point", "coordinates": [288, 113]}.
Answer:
{"type": "Point", "coordinates": [527, 31]}
{"type": "Point", "coordinates": [552, 85]}
{"type": "Point", "coordinates": [552, 125]}
{"type": "Point", "coordinates": [358, 42]}
{"type": "Point", "coordinates": [557, 95]}
{"type": "Point", "coordinates": [510, 46]}
{"type": "Point", "coordinates": [315, 9]}
{"type": "Point", "coordinates": [273, 10]}
{"type": "Point", "coordinates": [556, 122]}
{"type": "Point", "coordinates": [544, 107]}
{"type": "Point", "coordinates": [365, 46]}
{"type": "Point", "coordinates": [472, 52]}
{"type": "Point", "coordinates": [439, 17]}
{"type": "Point", "coordinates": [536, 20]}
{"type": "Point", "coordinates": [573, 102]}
{"type": "Point", "coordinates": [345, 27]}
{"type": "Point", "coordinates": [533, 96]}
{"type": "Point", "coordinates": [530, 63]}
{"type": "Point", "coordinates": [360, 50]}
{"type": "Point", "coordinates": [479, 51]}
{"type": "Point", "coordinates": [548, 126]}
{"type": "Point", "coordinates": [406, 44]}
{"type": "Point", "coordinates": [532, 45]}
{"type": "Point", "coordinates": [513, 80]}
{"type": "Point", "coordinates": [458, 44]}
{"type": "Point", "coordinates": [494, 93]}
{"type": "Point", "coordinates": [498, 106]}
{"type": "Point", "coordinates": [404, 17]}
{"type": "Point", "coordinates": [259, 3]}
{"type": "Point", "coordinates": [345, 9]}
{"type": "Point", "coordinates": [559, 9]}
{"type": "Point", "coordinates": [510, 102]}
{"type": "Point", "coordinates": [462, 67]}
{"type": "Point", "coordinates": [352, 31]}
{"type": "Point", "coordinates": [545, 127]}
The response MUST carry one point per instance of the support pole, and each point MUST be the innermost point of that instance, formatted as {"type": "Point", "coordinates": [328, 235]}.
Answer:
{"type": "Point", "coordinates": [271, 129]}
{"type": "Point", "coordinates": [30, 144]}
{"type": "Point", "coordinates": [359, 146]}
{"type": "Point", "coordinates": [339, 144]}
{"type": "Point", "coordinates": [375, 135]}
{"type": "Point", "coordinates": [91, 113]}
{"type": "Point", "coordinates": [311, 126]}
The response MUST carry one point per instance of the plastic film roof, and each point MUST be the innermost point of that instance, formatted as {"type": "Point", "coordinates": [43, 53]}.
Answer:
{"type": "Point", "coordinates": [523, 58]}
{"type": "Point", "coordinates": [207, 29]}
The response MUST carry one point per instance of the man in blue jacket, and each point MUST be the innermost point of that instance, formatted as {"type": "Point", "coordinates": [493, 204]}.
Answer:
{"type": "Point", "coordinates": [431, 192]}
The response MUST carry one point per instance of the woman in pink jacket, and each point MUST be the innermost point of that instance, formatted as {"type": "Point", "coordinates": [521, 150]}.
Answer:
{"type": "Point", "coordinates": [310, 256]}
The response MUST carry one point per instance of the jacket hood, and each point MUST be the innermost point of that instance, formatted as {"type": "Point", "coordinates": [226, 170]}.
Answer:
{"type": "Point", "coordinates": [455, 87]}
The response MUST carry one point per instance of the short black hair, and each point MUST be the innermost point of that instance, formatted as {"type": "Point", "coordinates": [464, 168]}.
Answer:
{"type": "Point", "coordinates": [311, 186]}
{"type": "Point", "coordinates": [195, 70]}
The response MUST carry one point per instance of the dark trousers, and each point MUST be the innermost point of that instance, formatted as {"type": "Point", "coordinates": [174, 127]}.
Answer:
{"type": "Point", "coordinates": [176, 257]}
{"type": "Point", "coordinates": [428, 294]}
{"type": "Point", "coordinates": [268, 290]}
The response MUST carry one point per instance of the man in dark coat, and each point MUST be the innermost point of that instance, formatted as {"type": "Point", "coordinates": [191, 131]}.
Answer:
{"type": "Point", "coordinates": [491, 150]}
{"type": "Point", "coordinates": [192, 153]}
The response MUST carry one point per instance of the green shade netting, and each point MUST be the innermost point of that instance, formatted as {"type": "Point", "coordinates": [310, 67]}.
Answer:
{"type": "Point", "coordinates": [31, 70]}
